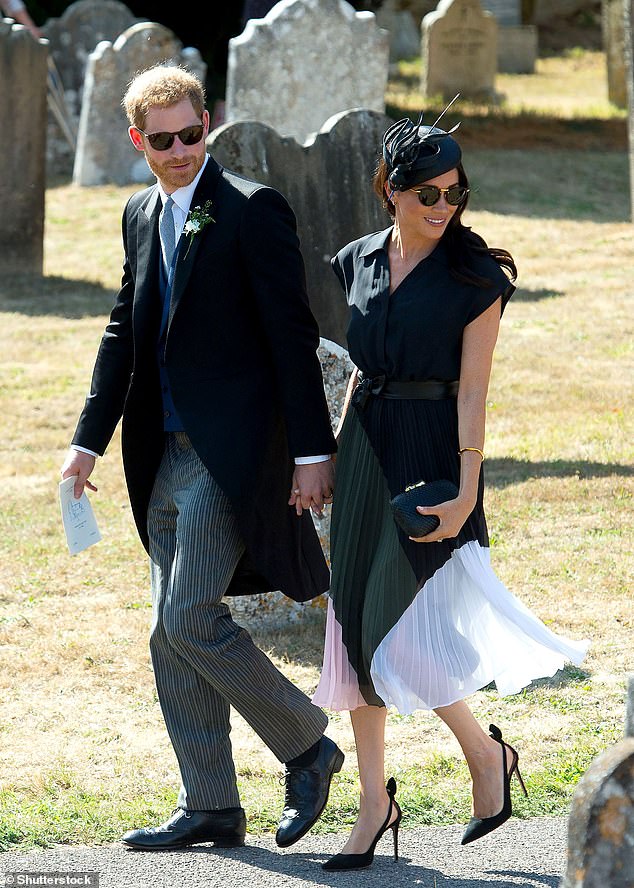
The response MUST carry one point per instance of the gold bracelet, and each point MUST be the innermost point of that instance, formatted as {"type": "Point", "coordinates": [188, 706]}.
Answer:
{"type": "Point", "coordinates": [474, 449]}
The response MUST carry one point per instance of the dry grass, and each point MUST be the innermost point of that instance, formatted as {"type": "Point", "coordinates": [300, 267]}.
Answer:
{"type": "Point", "coordinates": [81, 730]}
{"type": "Point", "coordinates": [569, 86]}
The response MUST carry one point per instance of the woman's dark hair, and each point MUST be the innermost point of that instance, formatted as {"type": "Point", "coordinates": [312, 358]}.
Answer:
{"type": "Point", "coordinates": [462, 243]}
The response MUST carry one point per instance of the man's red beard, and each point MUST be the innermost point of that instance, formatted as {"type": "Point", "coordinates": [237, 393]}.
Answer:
{"type": "Point", "coordinates": [175, 178]}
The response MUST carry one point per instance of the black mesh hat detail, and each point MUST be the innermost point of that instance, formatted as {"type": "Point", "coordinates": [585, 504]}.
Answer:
{"type": "Point", "coordinates": [414, 153]}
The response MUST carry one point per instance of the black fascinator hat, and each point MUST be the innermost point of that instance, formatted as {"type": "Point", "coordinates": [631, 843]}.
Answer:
{"type": "Point", "coordinates": [414, 153]}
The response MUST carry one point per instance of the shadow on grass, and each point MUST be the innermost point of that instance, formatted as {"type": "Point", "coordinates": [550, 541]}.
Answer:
{"type": "Point", "coordinates": [37, 296]}
{"type": "Point", "coordinates": [505, 471]}
{"type": "Point", "coordinates": [522, 294]}
{"type": "Point", "coordinates": [566, 677]}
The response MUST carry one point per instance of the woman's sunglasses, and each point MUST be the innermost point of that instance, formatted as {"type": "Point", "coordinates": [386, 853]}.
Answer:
{"type": "Point", "coordinates": [429, 195]}
{"type": "Point", "coordinates": [189, 135]}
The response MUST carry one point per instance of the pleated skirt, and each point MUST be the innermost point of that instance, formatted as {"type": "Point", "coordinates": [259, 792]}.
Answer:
{"type": "Point", "coordinates": [418, 625]}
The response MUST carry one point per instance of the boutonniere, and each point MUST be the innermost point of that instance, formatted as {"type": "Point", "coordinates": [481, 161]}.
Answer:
{"type": "Point", "coordinates": [197, 218]}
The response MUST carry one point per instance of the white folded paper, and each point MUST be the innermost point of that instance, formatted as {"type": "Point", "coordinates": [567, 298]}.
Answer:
{"type": "Point", "coordinates": [78, 518]}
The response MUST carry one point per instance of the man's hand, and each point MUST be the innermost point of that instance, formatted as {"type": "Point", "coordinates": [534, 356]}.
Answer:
{"type": "Point", "coordinates": [80, 464]}
{"type": "Point", "coordinates": [312, 486]}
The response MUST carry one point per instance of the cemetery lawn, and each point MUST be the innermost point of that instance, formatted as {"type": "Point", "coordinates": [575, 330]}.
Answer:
{"type": "Point", "coordinates": [85, 753]}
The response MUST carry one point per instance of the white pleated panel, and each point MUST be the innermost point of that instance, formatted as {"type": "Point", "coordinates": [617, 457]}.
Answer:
{"type": "Point", "coordinates": [338, 687]}
{"type": "Point", "coordinates": [464, 630]}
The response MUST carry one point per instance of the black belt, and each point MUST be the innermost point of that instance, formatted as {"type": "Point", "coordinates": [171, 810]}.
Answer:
{"type": "Point", "coordinates": [380, 387]}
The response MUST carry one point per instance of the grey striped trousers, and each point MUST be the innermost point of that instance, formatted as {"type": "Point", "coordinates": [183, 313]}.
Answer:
{"type": "Point", "coordinates": [203, 661]}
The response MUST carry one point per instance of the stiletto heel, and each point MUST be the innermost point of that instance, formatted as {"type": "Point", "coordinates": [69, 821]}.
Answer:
{"type": "Point", "coordinates": [480, 826]}
{"type": "Point", "coordinates": [359, 861]}
{"type": "Point", "coordinates": [395, 826]}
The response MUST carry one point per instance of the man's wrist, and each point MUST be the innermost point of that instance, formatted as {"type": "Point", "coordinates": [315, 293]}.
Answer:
{"type": "Point", "coordinates": [309, 460]}
{"type": "Point", "coordinates": [84, 450]}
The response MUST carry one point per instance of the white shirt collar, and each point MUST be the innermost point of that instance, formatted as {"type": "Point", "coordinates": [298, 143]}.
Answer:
{"type": "Point", "coordinates": [182, 197]}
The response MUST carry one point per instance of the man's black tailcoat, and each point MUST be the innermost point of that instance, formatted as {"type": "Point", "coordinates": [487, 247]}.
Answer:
{"type": "Point", "coordinates": [240, 353]}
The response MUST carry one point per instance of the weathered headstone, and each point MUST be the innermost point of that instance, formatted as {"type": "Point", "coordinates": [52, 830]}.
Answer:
{"type": "Point", "coordinates": [327, 183]}
{"type": "Point", "coordinates": [518, 48]}
{"type": "Point", "coordinates": [459, 50]}
{"type": "Point", "coordinates": [72, 38]}
{"type": "Point", "coordinates": [104, 152]}
{"type": "Point", "coordinates": [23, 167]}
{"type": "Point", "coordinates": [629, 67]}
{"type": "Point", "coordinates": [403, 28]}
{"type": "Point", "coordinates": [517, 43]}
{"type": "Point", "coordinates": [613, 26]}
{"type": "Point", "coordinates": [302, 63]}
{"type": "Point", "coordinates": [601, 822]}
{"type": "Point", "coordinates": [76, 33]}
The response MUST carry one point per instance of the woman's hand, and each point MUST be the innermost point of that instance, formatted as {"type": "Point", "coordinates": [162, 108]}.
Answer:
{"type": "Point", "coordinates": [452, 514]}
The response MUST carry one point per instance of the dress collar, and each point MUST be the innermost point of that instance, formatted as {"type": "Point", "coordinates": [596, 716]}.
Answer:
{"type": "Point", "coordinates": [378, 241]}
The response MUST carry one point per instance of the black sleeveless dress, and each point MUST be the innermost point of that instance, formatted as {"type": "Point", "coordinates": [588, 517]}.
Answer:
{"type": "Point", "coordinates": [416, 625]}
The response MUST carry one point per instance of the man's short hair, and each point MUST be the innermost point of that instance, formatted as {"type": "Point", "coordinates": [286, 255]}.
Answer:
{"type": "Point", "coordinates": [161, 85]}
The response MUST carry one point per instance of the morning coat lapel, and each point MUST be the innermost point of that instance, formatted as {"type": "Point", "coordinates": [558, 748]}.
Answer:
{"type": "Point", "coordinates": [148, 250]}
{"type": "Point", "coordinates": [188, 247]}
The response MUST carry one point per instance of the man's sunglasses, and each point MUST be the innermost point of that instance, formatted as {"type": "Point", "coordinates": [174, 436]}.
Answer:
{"type": "Point", "coordinates": [189, 135]}
{"type": "Point", "coordinates": [429, 195]}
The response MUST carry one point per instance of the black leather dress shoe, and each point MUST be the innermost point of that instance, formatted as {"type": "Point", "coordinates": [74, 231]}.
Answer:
{"type": "Point", "coordinates": [225, 828]}
{"type": "Point", "coordinates": [307, 793]}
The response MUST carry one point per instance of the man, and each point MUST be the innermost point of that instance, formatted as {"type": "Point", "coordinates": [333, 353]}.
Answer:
{"type": "Point", "coordinates": [210, 358]}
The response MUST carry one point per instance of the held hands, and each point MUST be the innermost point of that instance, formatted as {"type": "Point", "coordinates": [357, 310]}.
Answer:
{"type": "Point", "coordinates": [312, 487]}
{"type": "Point", "coordinates": [81, 465]}
{"type": "Point", "coordinates": [452, 514]}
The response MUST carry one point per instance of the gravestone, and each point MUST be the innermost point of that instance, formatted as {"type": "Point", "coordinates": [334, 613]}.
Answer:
{"type": "Point", "coordinates": [105, 154]}
{"type": "Point", "coordinates": [327, 182]}
{"type": "Point", "coordinates": [629, 68]}
{"type": "Point", "coordinates": [613, 27]}
{"type": "Point", "coordinates": [74, 35]}
{"type": "Point", "coordinates": [403, 28]}
{"type": "Point", "coordinates": [517, 43]}
{"type": "Point", "coordinates": [601, 822]}
{"type": "Point", "coordinates": [459, 50]}
{"type": "Point", "coordinates": [72, 38]}
{"type": "Point", "coordinates": [302, 63]}
{"type": "Point", "coordinates": [23, 167]}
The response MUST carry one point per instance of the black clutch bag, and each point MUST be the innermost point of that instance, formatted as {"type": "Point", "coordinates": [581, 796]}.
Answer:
{"type": "Point", "coordinates": [422, 494]}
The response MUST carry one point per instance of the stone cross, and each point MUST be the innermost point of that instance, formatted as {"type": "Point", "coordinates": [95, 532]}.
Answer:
{"type": "Point", "coordinates": [327, 182]}
{"type": "Point", "coordinates": [105, 154]}
{"type": "Point", "coordinates": [23, 70]}
{"type": "Point", "coordinates": [459, 50]}
{"type": "Point", "coordinates": [302, 63]}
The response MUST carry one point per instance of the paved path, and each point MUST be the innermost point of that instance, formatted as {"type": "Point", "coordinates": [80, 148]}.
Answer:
{"type": "Point", "coordinates": [522, 854]}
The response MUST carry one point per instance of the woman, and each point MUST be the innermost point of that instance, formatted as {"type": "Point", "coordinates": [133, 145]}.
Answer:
{"type": "Point", "coordinates": [422, 623]}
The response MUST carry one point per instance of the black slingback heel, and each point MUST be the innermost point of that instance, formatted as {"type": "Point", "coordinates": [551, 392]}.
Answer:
{"type": "Point", "coordinates": [480, 826]}
{"type": "Point", "coordinates": [359, 861]}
